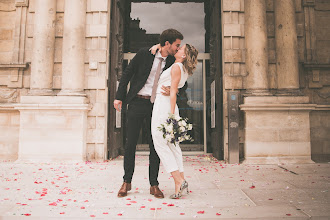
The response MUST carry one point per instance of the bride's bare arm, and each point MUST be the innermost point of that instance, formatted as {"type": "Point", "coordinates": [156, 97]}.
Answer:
{"type": "Point", "coordinates": [175, 79]}
{"type": "Point", "coordinates": [154, 49]}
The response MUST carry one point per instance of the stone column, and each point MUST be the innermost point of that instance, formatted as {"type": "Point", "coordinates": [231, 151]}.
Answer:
{"type": "Point", "coordinates": [73, 48]}
{"type": "Point", "coordinates": [256, 46]}
{"type": "Point", "coordinates": [286, 45]}
{"type": "Point", "coordinates": [43, 47]}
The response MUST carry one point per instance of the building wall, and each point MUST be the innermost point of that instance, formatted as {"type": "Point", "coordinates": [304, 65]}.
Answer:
{"type": "Point", "coordinates": [97, 54]}
{"type": "Point", "coordinates": [9, 135]}
{"type": "Point", "coordinates": [96, 66]}
{"type": "Point", "coordinates": [10, 81]}
{"type": "Point", "coordinates": [16, 46]}
{"type": "Point", "coordinates": [315, 77]}
{"type": "Point", "coordinates": [317, 88]}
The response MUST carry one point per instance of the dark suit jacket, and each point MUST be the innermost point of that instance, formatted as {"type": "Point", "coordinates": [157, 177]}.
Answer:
{"type": "Point", "coordinates": [137, 73]}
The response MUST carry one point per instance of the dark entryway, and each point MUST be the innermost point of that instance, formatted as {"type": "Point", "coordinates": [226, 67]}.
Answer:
{"type": "Point", "coordinates": [137, 24]}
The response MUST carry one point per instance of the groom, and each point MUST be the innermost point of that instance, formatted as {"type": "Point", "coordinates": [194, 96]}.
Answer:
{"type": "Point", "coordinates": [143, 74]}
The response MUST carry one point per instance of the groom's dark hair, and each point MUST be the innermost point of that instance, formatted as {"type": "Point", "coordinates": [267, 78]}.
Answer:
{"type": "Point", "coordinates": [170, 35]}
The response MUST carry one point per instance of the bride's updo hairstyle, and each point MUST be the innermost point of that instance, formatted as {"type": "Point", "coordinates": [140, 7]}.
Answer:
{"type": "Point", "coordinates": [191, 59]}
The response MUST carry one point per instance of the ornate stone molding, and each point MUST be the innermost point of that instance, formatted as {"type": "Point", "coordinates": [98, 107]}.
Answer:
{"type": "Point", "coordinates": [309, 12]}
{"type": "Point", "coordinates": [21, 3]}
{"type": "Point", "coordinates": [278, 107]}
{"type": "Point", "coordinates": [14, 66]}
{"type": "Point", "coordinates": [8, 95]}
{"type": "Point", "coordinates": [309, 3]}
{"type": "Point", "coordinates": [7, 107]}
{"type": "Point", "coordinates": [316, 66]}
{"type": "Point", "coordinates": [322, 108]}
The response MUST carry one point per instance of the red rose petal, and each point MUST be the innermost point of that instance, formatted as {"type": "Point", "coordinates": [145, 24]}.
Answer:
{"type": "Point", "coordinates": [218, 213]}
{"type": "Point", "coordinates": [200, 212]}
{"type": "Point", "coordinates": [27, 214]}
{"type": "Point", "coordinates": [182, 213]}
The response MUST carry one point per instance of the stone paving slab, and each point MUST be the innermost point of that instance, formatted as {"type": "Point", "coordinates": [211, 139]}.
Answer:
{"type": "Point", "coordinates": [217, 191]}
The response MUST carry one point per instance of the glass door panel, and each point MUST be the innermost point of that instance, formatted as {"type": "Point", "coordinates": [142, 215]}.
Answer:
{"type": "Point", "coordinates": [190, 103]}
{"type": "Point", "coordinates": [146, 23]}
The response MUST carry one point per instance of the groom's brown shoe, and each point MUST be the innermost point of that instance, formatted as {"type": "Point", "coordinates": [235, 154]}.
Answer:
{"type": "Point", "coordinates": [123, 189]}
{"type": "Point", "coordinates": [154, 190]}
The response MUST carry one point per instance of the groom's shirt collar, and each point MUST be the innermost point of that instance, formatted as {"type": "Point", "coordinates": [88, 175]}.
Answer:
{"type": "Point", "coordinates": [159, 55]}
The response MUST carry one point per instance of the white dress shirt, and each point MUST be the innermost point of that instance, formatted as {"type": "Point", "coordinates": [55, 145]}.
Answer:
{"type": "Point", "coordinates": [147, 88]}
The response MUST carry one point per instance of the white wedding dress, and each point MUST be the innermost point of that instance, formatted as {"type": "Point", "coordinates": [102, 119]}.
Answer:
{"type": "Point", "coordinates": [169, 154]}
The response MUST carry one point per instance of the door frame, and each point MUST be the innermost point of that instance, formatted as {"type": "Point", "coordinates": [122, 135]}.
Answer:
{"type": "Point", "coordinates": [115, 133]}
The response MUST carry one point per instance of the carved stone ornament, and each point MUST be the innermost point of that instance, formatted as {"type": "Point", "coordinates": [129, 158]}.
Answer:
{"type": "Point", "coordinates": [8, 95]}
{"type": "Point", "coordinates": [21, 3]}
{"type": "Point", "coordinates": [324, 93]}
{"type": "Point", "coordinates": [309, 3]}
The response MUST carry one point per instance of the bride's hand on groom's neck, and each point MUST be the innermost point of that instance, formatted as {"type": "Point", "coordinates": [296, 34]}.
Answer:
{"type": "Point", "coordinates": [154, 49]}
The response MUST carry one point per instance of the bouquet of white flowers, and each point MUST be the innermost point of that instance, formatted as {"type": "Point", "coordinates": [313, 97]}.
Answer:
{"type": "Point", "coordinates": [175, 129]}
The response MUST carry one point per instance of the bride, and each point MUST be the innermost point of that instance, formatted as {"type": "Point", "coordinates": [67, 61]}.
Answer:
{"type": "Point", "coordinates": [173, 77]}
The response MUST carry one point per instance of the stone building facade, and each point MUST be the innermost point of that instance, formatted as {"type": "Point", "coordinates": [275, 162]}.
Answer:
{"type": "Point", "coordinates": [56, 79]}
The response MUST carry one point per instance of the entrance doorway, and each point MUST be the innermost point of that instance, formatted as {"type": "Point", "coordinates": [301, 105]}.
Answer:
{"type": "Point", "coordinates": [138, 24]}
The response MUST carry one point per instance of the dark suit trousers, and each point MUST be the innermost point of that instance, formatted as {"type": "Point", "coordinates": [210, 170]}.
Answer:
{"type": "Point", "coordinates": [139, 110]}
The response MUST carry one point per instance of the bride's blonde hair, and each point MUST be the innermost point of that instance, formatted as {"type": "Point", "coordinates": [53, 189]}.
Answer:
{"type": "Point", "coordinates": [191, 61]}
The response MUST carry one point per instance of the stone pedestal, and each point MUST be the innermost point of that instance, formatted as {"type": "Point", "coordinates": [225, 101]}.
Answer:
{"type": "Point", "coordinates": [9, 130]}
{"type": "Point", "coordinates": [52, 128]}
{"type": "Point", "coordinates": [277, 130]}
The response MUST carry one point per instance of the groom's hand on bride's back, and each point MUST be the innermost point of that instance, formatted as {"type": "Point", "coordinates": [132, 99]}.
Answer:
{"type": "Point", "coordinates": [166, 90]}
{"type": "Point", "coordinates": [117, 104]}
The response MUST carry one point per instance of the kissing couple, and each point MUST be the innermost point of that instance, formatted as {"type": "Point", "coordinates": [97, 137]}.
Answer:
{"type": "Point", "coordinates": [155, 77]}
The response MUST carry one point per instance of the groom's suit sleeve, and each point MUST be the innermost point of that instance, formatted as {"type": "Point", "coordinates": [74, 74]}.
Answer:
{"type": "Point", "coordinates": [127, 76]}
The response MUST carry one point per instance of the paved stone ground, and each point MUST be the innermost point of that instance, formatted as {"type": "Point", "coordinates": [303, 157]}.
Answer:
{"type": "Point", "coordinates": [217, 190]}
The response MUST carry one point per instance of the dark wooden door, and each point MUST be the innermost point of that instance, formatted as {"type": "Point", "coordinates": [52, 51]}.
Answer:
{"type": "Point", "coordinates": [214, 37]}
{"type": "Point", "coordinates": [117, 34]}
